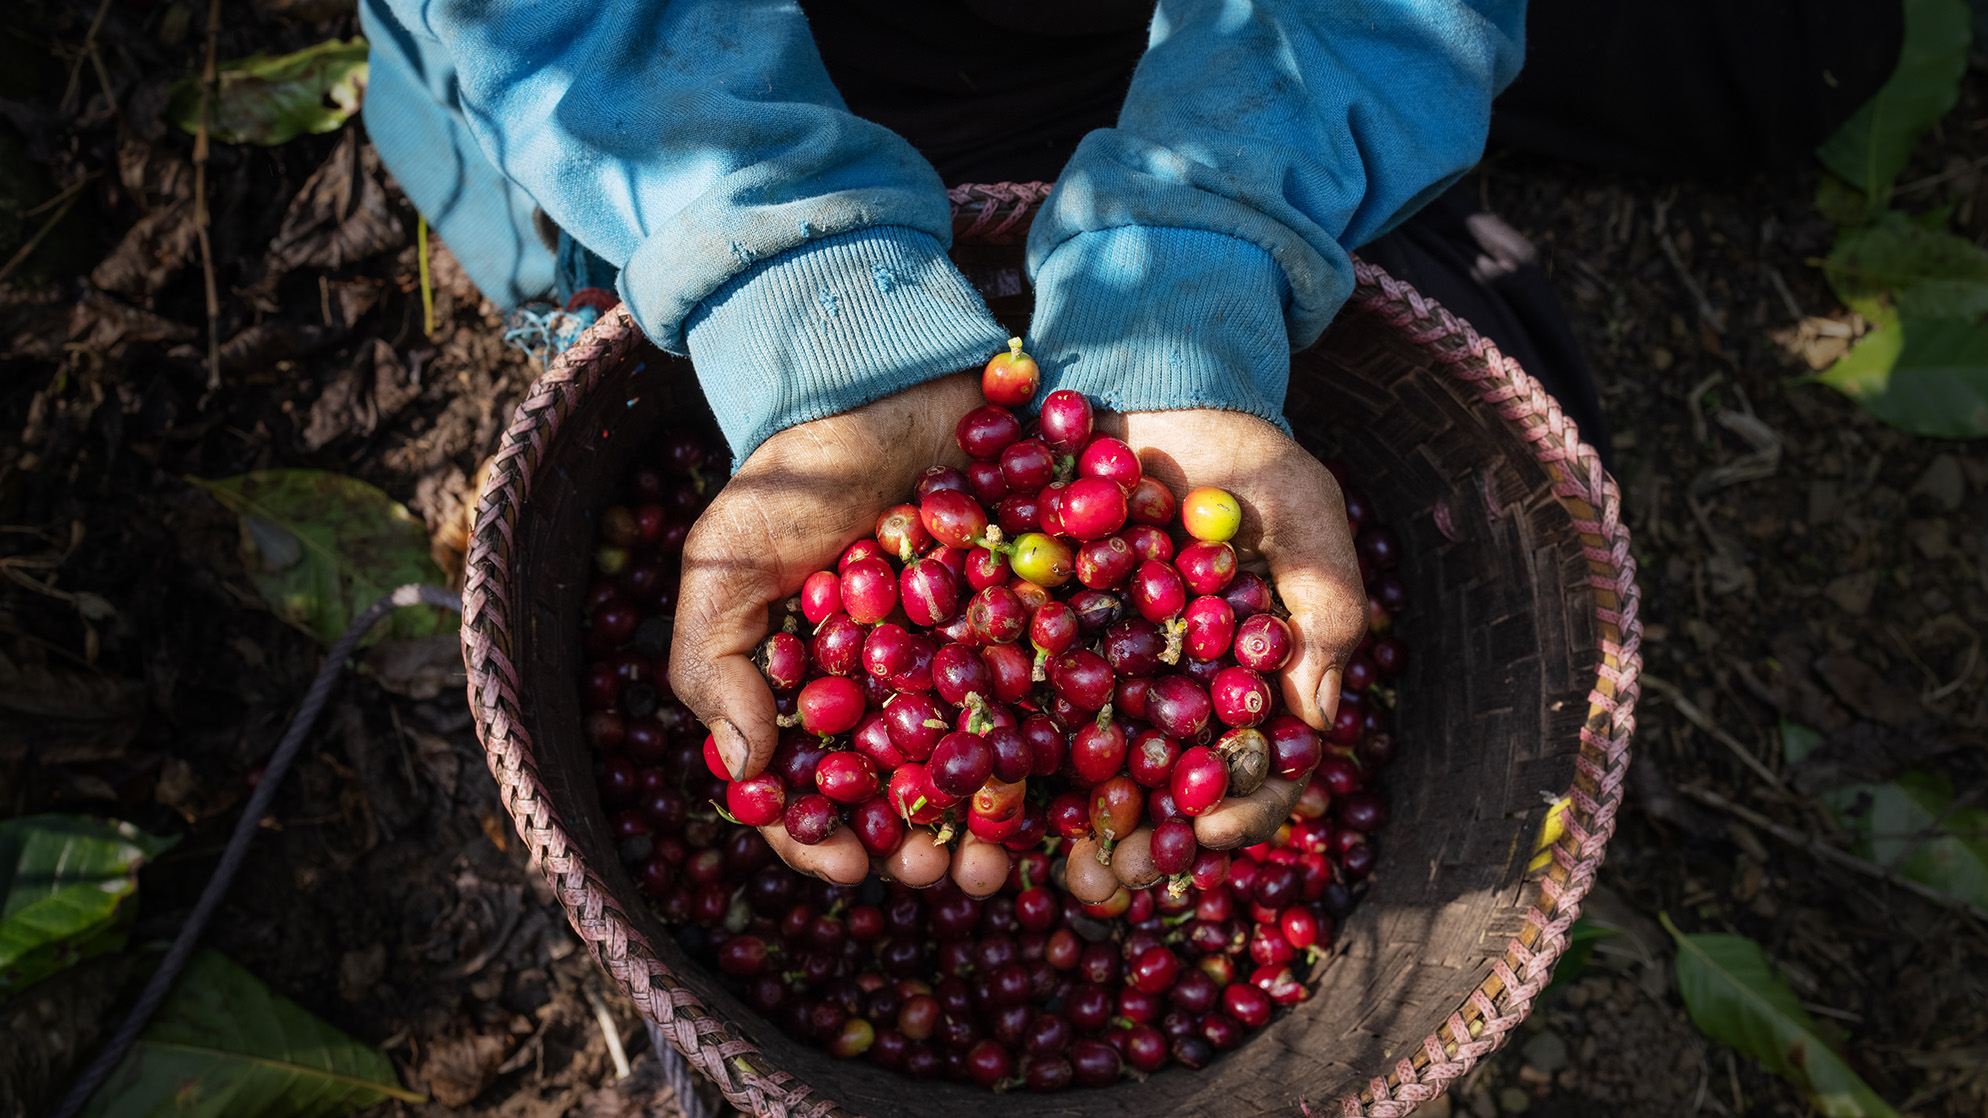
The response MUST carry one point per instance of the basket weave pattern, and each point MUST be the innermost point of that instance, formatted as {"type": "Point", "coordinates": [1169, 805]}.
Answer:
{"type": "Point", "coordinates": [1595, 504]}
{"type": "Point", "coordinates": [1001, 211]}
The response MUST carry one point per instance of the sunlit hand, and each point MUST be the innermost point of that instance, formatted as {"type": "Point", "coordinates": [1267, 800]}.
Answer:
{"type": "Point", "coordinates": [1295, 518]}
{"type": "Point", "coordinates": [788, 512]}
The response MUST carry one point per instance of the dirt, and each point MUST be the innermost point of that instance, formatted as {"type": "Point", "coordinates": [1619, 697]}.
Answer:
{"type": "Point", "coordinates": [1799, 561]}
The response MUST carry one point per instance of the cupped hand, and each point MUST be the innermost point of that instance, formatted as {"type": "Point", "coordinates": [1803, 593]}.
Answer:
{"type": "Point", "coordinates": [1295, 519]}
{"type": "Point", "coordinates": [788, 512]}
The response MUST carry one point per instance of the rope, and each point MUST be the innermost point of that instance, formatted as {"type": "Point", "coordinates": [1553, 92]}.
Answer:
{"type": "Point", "coordinates": [677, 1074]}
{"type": "Point", "coordinates": [245, 829]}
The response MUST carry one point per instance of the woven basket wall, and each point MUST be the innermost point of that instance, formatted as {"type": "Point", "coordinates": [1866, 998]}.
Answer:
{"type": "Point", "coordinates": [1524, 635]}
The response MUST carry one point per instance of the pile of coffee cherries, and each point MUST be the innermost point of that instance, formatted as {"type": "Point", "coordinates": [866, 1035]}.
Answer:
{"type": "Point", "coordinates": [1024, 653]}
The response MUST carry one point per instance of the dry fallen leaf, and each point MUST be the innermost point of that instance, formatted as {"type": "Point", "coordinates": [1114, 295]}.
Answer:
{"type": "Point", "coordinates": [459, 1068]}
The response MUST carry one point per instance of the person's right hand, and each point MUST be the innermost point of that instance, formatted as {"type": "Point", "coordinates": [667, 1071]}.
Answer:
{"type": "Point", "coordinates": [789, 511]}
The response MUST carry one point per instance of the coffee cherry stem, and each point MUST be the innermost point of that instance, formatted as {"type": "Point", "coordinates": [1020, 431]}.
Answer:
{"type": "Point", "coordinates": [726, 815]}
{"type": "Point", "coordinates": [1178, 884]}
{"type": "Point", "coordinates": [786, 720]}
{"type": "Point", "coordinates": [1040, 672]}
{"type": "Point", "coordinates": [1175, 630]}
{"type": "Point", "coordinates": [943, 832]}
{"type": "Point", "coordinates": [1103, 719]}
{"type": "Point", "coordinates": [977, 721]}
{"type": "Point", "coordinates": [995, 541]}
{"type": "Point", "coordinates": [1066, 467]}
{"type": "Point", "coordinates": [1105, 843]}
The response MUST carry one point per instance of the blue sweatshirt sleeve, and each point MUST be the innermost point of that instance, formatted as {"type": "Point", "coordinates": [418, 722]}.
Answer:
{"type": "Point", "coordinates": [795, 251]}
{"type": "Point", "coordinates": [1188, 251]}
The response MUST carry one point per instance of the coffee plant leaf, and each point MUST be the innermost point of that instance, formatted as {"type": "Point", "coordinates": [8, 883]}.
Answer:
{"type": "Point", "coordinates": [321, 547]}
{"type": "Point", "coordinates": [1928, 376]}
{"type": "Point", "coordinates": [1914, 264]}
{"type": "Point", "coordinates": [1798, 741]}
{"type": "Point", "coordinates": [268, 100]}
{"type": "Point", "coordinates": [68, 890]}
{"type": "Point", "coordinates": [223, 1045]}
{"type": "Point", "coordinates": [1911, 825]}
{"type": "Point", "coordinates": [1736, 998]}
{"type": "Point", "coordinates": [1872, 147]}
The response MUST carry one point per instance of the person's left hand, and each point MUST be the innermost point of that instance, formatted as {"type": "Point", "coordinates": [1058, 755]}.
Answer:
{"type": "Point", "coordinates": [1295, 518]}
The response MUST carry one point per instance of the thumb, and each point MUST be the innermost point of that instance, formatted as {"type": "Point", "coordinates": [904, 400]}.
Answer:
{"type": "Point", "coordinates": [720, 620]}
{"type": "Point", "coordinates": [1318, 576]}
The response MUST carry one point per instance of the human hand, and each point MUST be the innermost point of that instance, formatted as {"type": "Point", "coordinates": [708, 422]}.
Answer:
{"type": "Point", "coordinates": [788, 512]}
{"type": "Point", "coordinates": [1295, 518]}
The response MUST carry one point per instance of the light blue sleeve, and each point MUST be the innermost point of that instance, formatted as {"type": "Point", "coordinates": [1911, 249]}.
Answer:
{"type": "Point", "coordinates": [795, 251]}
{"type": "Point", "coordinates": [1188, 251]}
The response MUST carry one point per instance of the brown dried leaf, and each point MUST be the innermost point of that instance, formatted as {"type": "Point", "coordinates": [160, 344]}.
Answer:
{"type": "Point", "coordinates": [420, 668]}
{"type": "Point", "coordinates": [1852, 592]}
{"type": "Point", "coordinates": [66, 717]}
{"type": "Point", "coordinates": [373, 386]}
{"type": "Point", "coordinates": [194, 794]}
{"type": "Point", "coordinates": [1863, 690]}
{"type": "Point", "coordinates": [459, 1068]}
{"type": "Point", "coordinates": [341, 216]}
{"type": "Point", "coordinates": [107, 326]}
{"type": "Point", "coordinates": [152, 252]}
{"type": "Point", "coordinates": [268, 342]}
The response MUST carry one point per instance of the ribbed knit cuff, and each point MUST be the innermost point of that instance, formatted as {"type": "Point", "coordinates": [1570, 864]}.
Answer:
{"type": "Point", "coordinates": [832, 325]}
{"type": "Point", "coordinates": [1140, 318]}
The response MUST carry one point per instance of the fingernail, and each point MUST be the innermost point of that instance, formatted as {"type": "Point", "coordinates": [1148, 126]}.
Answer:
{"type": "Point", "coordinates": [1328, 699]}
{"type": "Point", "coordinates": [732, 746]}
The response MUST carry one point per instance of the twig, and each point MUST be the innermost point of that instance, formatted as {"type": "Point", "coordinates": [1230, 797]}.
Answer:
{"type": "Point", "coordinates": [608, 1030]}
{"type": "Point", "coordinates": [1781, 287]}
{"type": "Point", "coordinates": [103, 78]}
{"type": "Point", "coordinates": [1704, 722]}
{"type": "Point", "coordinates": [64, 194]}
{"type": "Point", "coordinates": [421, 264]}
{"type": "Point", "coordinates": [89, 47]}
{"type": "Point", "coordinates": [1827, 852]}
{"type": "Point", "coordinates": [200, 216]}
{"type": "Point", "coordinates": [1693, 401]}
{"type": "Point", "coordinates": [1712, 318]}
{"type": "Point", "coordinates": [25, 250]}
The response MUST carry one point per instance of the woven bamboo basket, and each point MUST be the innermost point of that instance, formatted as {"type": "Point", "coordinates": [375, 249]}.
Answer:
{"type": "Point", "coordinates": [1521, 691]}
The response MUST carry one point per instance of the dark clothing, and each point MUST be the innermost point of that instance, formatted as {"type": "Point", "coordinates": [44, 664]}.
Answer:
{"type": "Point", "coordinates": [987, 91]}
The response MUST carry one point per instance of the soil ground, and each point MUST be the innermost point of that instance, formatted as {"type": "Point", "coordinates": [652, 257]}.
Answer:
{"type": "Point", "coordinates": [1799, 561]}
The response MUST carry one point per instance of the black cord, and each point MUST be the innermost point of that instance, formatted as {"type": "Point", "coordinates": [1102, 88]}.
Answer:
{"type": "Point", "coordinates": [245, 829]}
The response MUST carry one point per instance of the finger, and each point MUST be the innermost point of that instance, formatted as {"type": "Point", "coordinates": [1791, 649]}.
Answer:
{"type": "Point", "coordinates": [839, 858]}
{"type": "Point", "coordinates": [920, 861]}
{"type": "Point", "coordinates": [720, 620]}
{"type": "Point", "coordinates": [1247, 820]}
{"type": "Point", "coordinates": [1132, 860]}
{"type": "Point", "coordinates": [979, 867]}
{"type": "Point", "coordinates": [1088, 880]}
{"type": "Point", "coordinates": [1317, 574]}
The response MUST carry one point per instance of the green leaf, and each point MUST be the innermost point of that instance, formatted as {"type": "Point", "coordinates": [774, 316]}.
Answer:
{"type": "Point", "coordinates": [321, 547]}
{"type": "Point", "coordinates": [224, 1046]}
{"type": "Point", "coordinates": [1840, 202]}
{"type": "Point", "coordinates": [1735, 998]}
{"type": "Point", "coordinates": [267, 101]}
{"type": "Point", "coordinates": [1911, 826]}
{"type": "Point", "coordinates": [1871, 148]}
{"type": "Point", "coordinates": [1798, 741]}
{"type": "Point", "coordinates": [67, 885]}
{"type": "Point", "coordinates": [1581, 940]}
{"type": "Point", "coordinates": [1928, 376]}
{"type": "Point", "coordinates": [1918, 267]}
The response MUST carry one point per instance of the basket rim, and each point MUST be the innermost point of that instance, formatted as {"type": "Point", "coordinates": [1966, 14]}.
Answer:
{"type": "Point", "coordinates": [746, 1078]}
